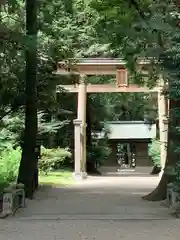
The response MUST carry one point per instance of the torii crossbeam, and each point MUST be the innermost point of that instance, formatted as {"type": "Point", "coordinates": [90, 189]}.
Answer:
{"type": "Point", "coordinates": [107, 88]}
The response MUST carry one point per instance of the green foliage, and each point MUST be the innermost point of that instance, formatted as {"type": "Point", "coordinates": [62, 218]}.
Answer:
{"type": "Point", "coordinates": [52, 159]}
{"type": "Point", "coordinates": [12, 126]}
{"type": "Point", "coordinates": [7, 138]}
{"type": "Point", "coordinates": [121, 107]}
{"type": "Point", "coordinates": [148, 29]}
{"type": "Point", "coordinates": [9, 165]}
{"type": "Point", "coordinates": [74, 28]}
{"type": "Point", "coordinates": [98, 152]}
{"type": "Point", "coordinates": [154, 152]}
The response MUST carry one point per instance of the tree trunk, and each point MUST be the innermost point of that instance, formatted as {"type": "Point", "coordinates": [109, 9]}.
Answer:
{"type": "Point", "coordinates": [89, 124]}
{"type": "Point", "coordinates": [89, 162]}
{"type": "Point", "coordinates": [36, 179]}
{"type": "Point", "coordinates": [160, 192]}
{"type": "Point", "coordinates": [28, 163]}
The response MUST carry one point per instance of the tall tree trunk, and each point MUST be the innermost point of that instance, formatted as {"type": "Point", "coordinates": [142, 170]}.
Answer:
{"type": "Point", "coordinates": [28, 165]}
{"type": "Point", "coordinates": [160, 192]}
{"type": "Point", "coordinates": [89, 123]}
{"type": "Point", "coordinates": [89, 162]}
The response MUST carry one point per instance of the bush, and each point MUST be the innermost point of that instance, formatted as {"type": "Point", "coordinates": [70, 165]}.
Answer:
{"type": "Point", "coordinates": [9, 165]}
{"type": "Point", "coordinates": [52, 159]}
{"type": "Point", "coordinates": [99, 152]}
{"type": "Point", "coordinates": [154, 152]}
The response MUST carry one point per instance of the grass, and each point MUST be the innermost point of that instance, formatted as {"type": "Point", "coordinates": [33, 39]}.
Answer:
{"type": "Point", "coordinates": [60, 177]}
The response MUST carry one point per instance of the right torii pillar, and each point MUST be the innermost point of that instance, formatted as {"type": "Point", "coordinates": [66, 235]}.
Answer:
{"type": "Point", "coordinates": [163, 110]}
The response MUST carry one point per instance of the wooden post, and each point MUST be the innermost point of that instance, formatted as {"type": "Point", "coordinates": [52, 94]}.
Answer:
{"type": "Point", "coordinates": [121, 78]}
{"type": "Point", "coordinates": [80, 133]}
{"type": "Point", "coordinates": [163, 123]}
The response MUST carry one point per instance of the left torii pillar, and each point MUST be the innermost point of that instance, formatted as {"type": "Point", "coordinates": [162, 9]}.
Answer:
{"type": "Point", "coordinates": [80, 133]}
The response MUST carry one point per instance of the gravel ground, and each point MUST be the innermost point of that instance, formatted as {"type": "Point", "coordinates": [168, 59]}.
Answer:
{"type": "Point", "coordinates": [105, 207]}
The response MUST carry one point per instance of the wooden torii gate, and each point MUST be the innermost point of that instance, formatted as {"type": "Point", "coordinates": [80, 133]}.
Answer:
{"type": "Point", "coordinates": [106, 66]}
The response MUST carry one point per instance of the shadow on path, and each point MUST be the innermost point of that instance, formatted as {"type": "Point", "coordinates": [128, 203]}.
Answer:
{"type": "Point", "coordinates": [102, 197]}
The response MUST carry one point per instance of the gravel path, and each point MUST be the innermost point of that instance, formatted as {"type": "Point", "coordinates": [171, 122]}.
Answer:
{"type": "Point", "coordinates": [106, 207]}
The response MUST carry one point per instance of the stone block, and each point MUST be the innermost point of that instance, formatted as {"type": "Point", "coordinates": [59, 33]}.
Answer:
{"type": "Point", "coordinates": [173, 196]}
{"type": "Point", "coordinates": [175, 199]}
{"type": "Point", "coordinates": [12, 200]}
{"type": "Point", "coordinates": [7, 203]}
{"type": "Point", "coordinates": [169, 194]}
{"type": "Point", "coordinates": [80, 176]}
{"type": "Point", "coordinates": [20, 186]}
{"type": "Point", "coordinates": [13, 185]}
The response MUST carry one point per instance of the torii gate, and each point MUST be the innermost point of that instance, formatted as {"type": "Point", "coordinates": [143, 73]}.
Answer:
{"type": "Point", "coordinates": [106, 66]}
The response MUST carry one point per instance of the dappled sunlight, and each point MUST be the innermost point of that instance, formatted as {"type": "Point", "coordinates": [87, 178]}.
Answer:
{"type": "Point", "coordinates": [96, 197]}
{"type": "Point", "coordinates": [56, 178]}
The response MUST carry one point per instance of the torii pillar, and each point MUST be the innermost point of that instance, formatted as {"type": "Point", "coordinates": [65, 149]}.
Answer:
{"type": "Point", "coordinates": [80, 133]}
{"type": "Point", "coordinates": [163, 109]}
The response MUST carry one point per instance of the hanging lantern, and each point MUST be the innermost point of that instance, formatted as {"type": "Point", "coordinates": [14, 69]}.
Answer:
{"type": "Point", "coordinates": [121, 78]}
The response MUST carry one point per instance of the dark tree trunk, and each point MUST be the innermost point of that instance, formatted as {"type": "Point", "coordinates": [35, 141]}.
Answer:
{"type": "Point", "coordinates": [36, 179]}
{"type": "Point", "coordinates": [28, 165]}
{"type": "Point", "coordinates": [89, 124]}
{"type": "Point", "coordinates": [90, 164]}
{"type": "Point", "coordinates": [160, 192]}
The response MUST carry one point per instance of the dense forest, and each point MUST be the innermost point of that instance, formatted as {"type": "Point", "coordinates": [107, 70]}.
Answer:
{"type": "Point", "coordinates": [35, 35]}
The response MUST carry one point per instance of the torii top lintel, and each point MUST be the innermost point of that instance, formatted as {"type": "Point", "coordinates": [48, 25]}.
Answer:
{"type": "Point", "coordinates": [102, 66]}
{"type": "Point", "coordinates": [94, 66]}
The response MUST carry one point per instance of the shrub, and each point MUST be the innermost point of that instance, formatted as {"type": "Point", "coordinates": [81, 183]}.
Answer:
{"type": "Point", "coordinates": [154, 152]}
{"type": "Point", "coordinates": [53, 159]}
{"type": "Point", "coordinates": [99, 152]}
{"type": "Point", "coordinates": [9, 165]}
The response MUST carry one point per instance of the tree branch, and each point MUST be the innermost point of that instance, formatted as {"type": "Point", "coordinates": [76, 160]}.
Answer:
{"type": "Point", "coordinates": [136, 6]}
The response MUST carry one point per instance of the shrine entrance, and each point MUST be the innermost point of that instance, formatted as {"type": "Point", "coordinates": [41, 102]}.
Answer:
{"type": "Point", "coordinates": [106, 66]}
{"type": "Point", "coordinates": [125, 153]}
